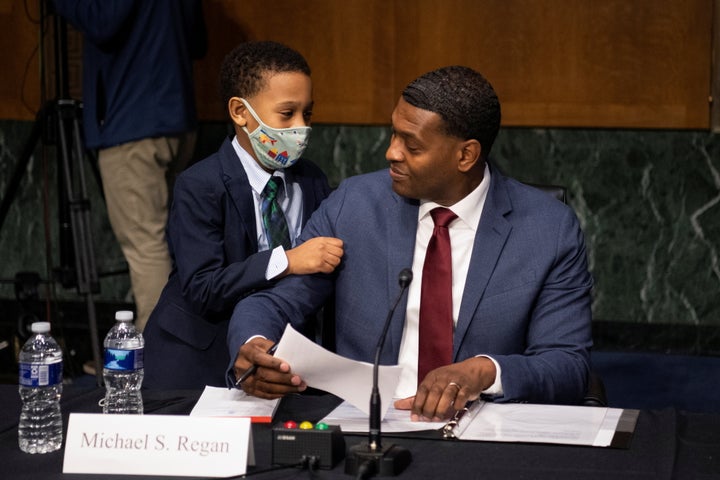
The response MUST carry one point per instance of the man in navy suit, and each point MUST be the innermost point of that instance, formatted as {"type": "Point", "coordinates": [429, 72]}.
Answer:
{"type": "Point", "coordinates": [221, 245]}
{"type": "Point", "coordinates": [521, 319]}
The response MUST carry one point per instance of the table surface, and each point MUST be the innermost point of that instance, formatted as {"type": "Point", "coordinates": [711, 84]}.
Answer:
{"type": "Point", "coordinates": [667, 444]}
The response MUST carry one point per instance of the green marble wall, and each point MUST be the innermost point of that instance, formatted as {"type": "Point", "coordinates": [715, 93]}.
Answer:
{"type": "Point", "coordinates": [649, 202]}
{"type": "Point", "coordinates": [649, 205]}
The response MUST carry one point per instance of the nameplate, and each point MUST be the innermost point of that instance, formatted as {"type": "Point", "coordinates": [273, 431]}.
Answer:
{"type": "Point", "coordinates": [158, 445]}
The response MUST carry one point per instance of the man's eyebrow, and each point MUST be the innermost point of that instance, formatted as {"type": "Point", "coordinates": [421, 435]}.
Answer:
{"type": "Point", "coordinates": [404, 134]}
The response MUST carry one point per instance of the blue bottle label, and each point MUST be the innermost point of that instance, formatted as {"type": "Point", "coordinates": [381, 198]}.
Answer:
{"type": "Point", "coordinates": [116, 359]}
{"type": "Point", "coordinates": [40, 374]}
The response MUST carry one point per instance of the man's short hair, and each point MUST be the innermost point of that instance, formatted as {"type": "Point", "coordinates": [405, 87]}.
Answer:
{"type": "Point", "coordinates": [464, 99]}
{"type": "Point", "coordinates": [243, 70]}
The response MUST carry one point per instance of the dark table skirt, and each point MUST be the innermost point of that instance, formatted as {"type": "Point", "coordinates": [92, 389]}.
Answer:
{"type": "Point", "coordinates": [667, 444]}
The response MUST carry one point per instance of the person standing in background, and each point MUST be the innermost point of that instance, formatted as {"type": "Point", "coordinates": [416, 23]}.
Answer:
{"type": "Point", "coordinates": [139, 114]}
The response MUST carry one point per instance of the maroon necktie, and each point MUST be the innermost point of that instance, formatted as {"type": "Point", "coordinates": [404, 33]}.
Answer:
{"type": "Point", "coordinates": [436, 313]}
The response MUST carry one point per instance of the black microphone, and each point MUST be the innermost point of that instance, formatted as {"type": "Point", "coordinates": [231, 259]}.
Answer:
{"type": "Point", "coordinates": [373, 458]}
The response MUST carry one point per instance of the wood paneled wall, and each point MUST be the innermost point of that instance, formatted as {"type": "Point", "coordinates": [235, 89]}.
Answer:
{"type": "Point", "coordinates": [555, 63]}
{"type": "Point", "coordinates": [19, 80]}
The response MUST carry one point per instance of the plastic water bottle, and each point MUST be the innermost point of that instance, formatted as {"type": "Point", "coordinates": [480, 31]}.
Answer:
{"type": "Point", "coordinates": [41, 368]}
{"type": "Point", "coordinates": [123, 369]}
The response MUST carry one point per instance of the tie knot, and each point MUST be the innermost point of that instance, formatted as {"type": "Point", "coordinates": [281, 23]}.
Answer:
{"type": "Point", "coordinates": [442, 216]}
{"type": "Point", "coordinates": [271, 188]}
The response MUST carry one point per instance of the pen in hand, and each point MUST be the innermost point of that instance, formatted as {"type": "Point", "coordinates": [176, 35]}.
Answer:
{"type": "Point", "coordinates": [253, 368]}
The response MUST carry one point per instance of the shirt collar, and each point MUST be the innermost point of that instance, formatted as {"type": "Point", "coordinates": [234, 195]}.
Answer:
{"type": "Point", "coordinates": [257, 177]}
{"type": "Point", "coordinates": [469, 208]}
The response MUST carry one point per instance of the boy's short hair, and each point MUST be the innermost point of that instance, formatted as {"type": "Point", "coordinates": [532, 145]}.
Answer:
{"type": "Point", "coordinates": [243, 70]}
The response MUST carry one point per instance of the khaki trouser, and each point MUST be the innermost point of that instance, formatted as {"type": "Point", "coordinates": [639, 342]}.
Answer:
{"type": "Point", "coordinates": [137, 178]}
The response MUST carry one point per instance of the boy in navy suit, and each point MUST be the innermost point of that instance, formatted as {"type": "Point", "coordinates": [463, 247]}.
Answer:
{"type": "Point", "coordinates": [236, 217]}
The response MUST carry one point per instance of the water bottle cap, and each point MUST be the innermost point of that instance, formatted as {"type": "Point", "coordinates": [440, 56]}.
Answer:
{"type": "Point", "coordinates": [124, 315]}
{"type": "Point", "coordinates": [40, 327]}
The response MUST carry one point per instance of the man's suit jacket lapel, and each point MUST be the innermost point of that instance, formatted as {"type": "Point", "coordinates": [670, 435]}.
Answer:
{"type": "Point", "coordinates": [238, 187]}
{"type": "Point", "coordinates": [493, 231]}
{"type": "Point", "coordinates": [401, 228]}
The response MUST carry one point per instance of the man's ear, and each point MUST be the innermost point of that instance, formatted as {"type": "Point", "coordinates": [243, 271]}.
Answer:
{"type": "Point", "coordinates": [470, 151]}
{"type": "Point", "coordinates": [237, 111]}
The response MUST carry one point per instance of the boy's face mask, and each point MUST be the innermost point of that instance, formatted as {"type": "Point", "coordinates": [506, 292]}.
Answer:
{"type": "Point", "coordinates": [276, 148]}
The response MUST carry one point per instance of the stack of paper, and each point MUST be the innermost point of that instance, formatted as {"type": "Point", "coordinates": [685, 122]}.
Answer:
{"type": "Point", "coordinates": [224, 402]}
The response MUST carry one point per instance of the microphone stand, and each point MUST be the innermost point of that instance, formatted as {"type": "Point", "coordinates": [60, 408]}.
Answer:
{"type": "Point", "coordinates": [366, 460]}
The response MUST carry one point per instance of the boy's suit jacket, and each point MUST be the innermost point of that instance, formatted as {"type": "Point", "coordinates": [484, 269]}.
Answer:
{"type": "Point", "coordinates": [213, 241]}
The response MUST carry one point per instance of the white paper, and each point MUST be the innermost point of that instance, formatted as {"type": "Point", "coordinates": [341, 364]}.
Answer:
{"type": "Point", "coordinates": [352, 420]}
{"type": "Point", "coordinates": [348, 379]}
{"type": "Point", "coordinates": [232, 402]}
{"type": "Point", "coordinates": [503, 422]}
{"type": "Point", "coordinates": [172, 445]}
{"type": "Point", "coordinates": [524, 422]}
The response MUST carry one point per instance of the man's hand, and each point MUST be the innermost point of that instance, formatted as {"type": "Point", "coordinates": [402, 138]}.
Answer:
{"type": "Point", "coordinates": [317, 255]}
{"type": "Point", "coordinates": [273, 378]}
{"type": "Point", "coordinates": [447, 389]}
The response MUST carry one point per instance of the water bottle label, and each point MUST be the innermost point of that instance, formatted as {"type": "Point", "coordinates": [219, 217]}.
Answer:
{"type": "Point", "coordinates": [116, 359]}
{"type": "Point", "coordinates": [40, 374]}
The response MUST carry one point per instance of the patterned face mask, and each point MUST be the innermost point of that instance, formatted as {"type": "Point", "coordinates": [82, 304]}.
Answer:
{"type": "Point", "coordinates": [276, 148]}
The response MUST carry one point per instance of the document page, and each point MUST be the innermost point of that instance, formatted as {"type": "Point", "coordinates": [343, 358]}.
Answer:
{"type": "Point", "coordinates": [524, 422]}
{"type": "Point", "coordinates": [231, 402]}
{"type": "Point", "coordinates": [348, 379]}
{"type": "Point", "coordinates": [508, 422]}
{"type": "Point", "coordinates": [353, 420]}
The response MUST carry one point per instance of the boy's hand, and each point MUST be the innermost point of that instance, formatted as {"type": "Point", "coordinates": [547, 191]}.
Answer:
{"type": "Point", "coordinates": [317, 255]}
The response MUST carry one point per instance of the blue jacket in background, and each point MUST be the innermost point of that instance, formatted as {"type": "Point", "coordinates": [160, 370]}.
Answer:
{"type": "Point", "coordinates": [137, 66]}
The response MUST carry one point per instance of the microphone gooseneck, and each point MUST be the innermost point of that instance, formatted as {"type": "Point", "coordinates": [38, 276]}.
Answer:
{"type": "Point", "coordinates": [367, 460]}
{"type": "Point", "coordinates": [374, 437]}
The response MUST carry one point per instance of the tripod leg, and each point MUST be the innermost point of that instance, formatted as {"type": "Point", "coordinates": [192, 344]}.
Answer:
{"type": "Point", "coordinates": [86, 272]}
{"type": "Point", "coordinates": [86, 262]}
{"type": "Point", "coordinates": [94, 338]}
